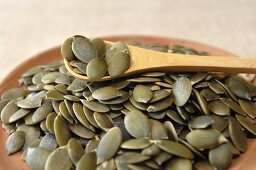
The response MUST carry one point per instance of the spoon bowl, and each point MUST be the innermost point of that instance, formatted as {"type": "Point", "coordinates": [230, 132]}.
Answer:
{"type": "Point", "coordinates": [143, 60]}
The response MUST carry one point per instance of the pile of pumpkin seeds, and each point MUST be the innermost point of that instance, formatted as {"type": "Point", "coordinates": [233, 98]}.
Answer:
{"type": "Point", "coordinates": [154, 120]}
{"type": "Point", "coordinates": [94, 58]}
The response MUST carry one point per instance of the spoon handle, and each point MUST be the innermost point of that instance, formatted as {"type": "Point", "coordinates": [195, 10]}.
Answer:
{"type": "Point", "coordinates": [148, 60]}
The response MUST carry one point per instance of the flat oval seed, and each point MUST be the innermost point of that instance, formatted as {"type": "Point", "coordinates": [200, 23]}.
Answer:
{"type": "Point", "coordinates": [8, 111]}
{"type": "Point", "coordinates": [172, 134]}
{"type": "Point", "coordinates": [118, 64]}
{"type": "Point", "coordinates": [19, 115]}
{"type": "Point", "coordinates": [78, 110]}
{"type": "Point", "coordinates": [223, 161]}
{"type": "Point", "coordinates": [137, 124]}
{"type": "Point", "coordinates": [174, 148]}
{"type": "Point", "coordinates": [152, 150]}
{"type": "Point", "coordinates": [108, 147]}
{"type": "Point", "coordinates": [14, 93]}
{"type": "Point", "coordinates": [200, 122]}
{"type": "Point", "coordinates": [203, 165]}
{"type": "Point", "coordinates": [83, 49]}
{"type": "Point", "coordinates": [239, 88]}
{"type": "Point", "coordinates": [106, 93]}
{"type": "Point", "coordinates": [132, 158]}
{"type": "Point", "coordinates": [179, 164]}
{"type": "Point", "coordinates": [205, 138]}
{"type": "Point", "coordinates": [50, 122]}
{"type": "Point", "coordinates": [48, 142]}
{"type": "Point", "coordinates": [181, 91]}
{"type": "Point", "coordinates": [32, 71]}
{"type": "Point", "coordinates": [162, 157]}
{"type": "Point", "coordinates": [141, 106]}
{"type": "Point", "coordinates": [96, 68]}
{"type": "Point", "coordinates": [58, 159]}
{"type": "Point", "coordinates": [92, 145]}
{"type": "Point", "coordinates": [234, 106]}
{"type": "Point", "coordinates": [36, 158]}
{"type": "Point", "coordinates": [77, 85]}
{"type": "Point", "coordinates": [100, 46]}
{"type": "Point", "coordinates": [159, 95]}
{"type": "Point", "coordinates": [248, 107]}
{"type": "Point", "coordinates": [50, 77]}
{"type": "Point", "coordinates": [201, 102]}
{"type": "Point", "coordinates": [219, 122]}
{"type": "Point", "coordinates": [42, 112]}
{"type": "Point", "coordinates": [218, 107]}
{"type": "Point", "coordinates": [136, 144]}
{"type": "Point", "coordinates": [237, 135]}
{"type": "Point", "coordinates": [96, 106]}
{"type": "Point", "coordinates": [64, 112]}
{"type": "Point", "coordinates": [15, 142]}
{"type": "Point", "coordinates": [88, 161]}
{"type": "Point", "coordinates": [103, 121]}
{"type": "Point", "coordinates": [107, 165]}
{"type": "Point", "coordinates": [157, 130]}
{"type": "Point", "coordinates": [216, 88]}
{"type": "Point", "coordinates": [246, 124]}
{"type": "Point", "coordinates": [54, 95]}
{"type": "Point", "coordinates": [209, 94]}
{"type": "Point", "coordinates": [160, 105]}
{"type": "Point", "coordinates": [81, 131]}
{"type": "Point", "coordinates": [142, 94]}
{"type": "Point", "coordinates": [66, 49]}
{"type": "Point", "coordinates": [198, 77]}
{"type": "Point", "coordinates": [61, 131]}
{"type": "Point", "coordinates": [75, 150]}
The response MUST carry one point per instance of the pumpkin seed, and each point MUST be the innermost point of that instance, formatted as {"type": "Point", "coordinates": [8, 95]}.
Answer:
{"type": "Point", "coordinates": [77, 85]}
{"type": "Point", "coordinates": [108, 147]}
{"type": "Point", "coordinates": [160, 105]}
{"type": "Point", "coordinates": [205, 138]}
{"type": "Point", "coordinates": [50, 122]}
{"type": "Point", "coordinates": [32, 71]}
{"type": "Point", "coordinates": [36, 158]}
{"type": "Point", "coordinates": [66, 49]}
{"type": "Point", "coordinates": [175, 117]}
{"type": "Point", "coordinates": [136, 144]}
{"type": "Point", "coordinates": [157, 130]}
{"type": "Point", "coordinates": [219, 122]}
{"type": "Point", "coordinates": [18, 115]}
{"type": "Point", "coordinates": [96, 74]}
{"type": "Point", "coordinates": [152, 150]}
{"type": "Point", "coordinates": [223, 161]}
{"type": "Point", "coordinates": [96, 106]}
{"type": "Point", "coordinates": [15, 142]}
{"type": "Point", "coordinates": [100, 46]}
{"type": "Point", "coordinates": [107, 165]}
{"type": "Point", "coordinates": [48, 142]}
{"type": "Point", "coordinates": [248, 107]}
{"type": "Point", "coordinates": [42, 112]}
{"type": "Point", "coordinates": [137, 124]}
{"type": "Point", "coordinates": [179, 164]}
{"type": "Point", "coordinates": [162, 157]}
{"type": "Point", "coordinates": [218, 89]}
{"type": "Point", "coordinates": [171, 130]}
{"type": "Point", "coordinates": [118, 64]}
{"type": "Point", "coordinates": [75, 150]}
{"type": "Point", "coordinates": [83, 49]}
{"type": "Point", "coordinates": [209, 95]}
{"type": "Point", "coordinates": [54, 95]}
{"type": "Point", "coordinates": [234, 106]}
{"type": "Point", "coordinates": [200, 122]}
{"type": "Point", "coordinates": [106, 93]}
{"type": "Point", "coordinates": [239, 88]}
{"type": "Point", "coordinates": [14, 93]}
{"type": "Point", "coordinates": [92, 145]}
{"type": "Point", "coordinates": [237, 135]}
{"type": "Point", "coordinates": [78, 110]}
{"type": "Point", "coordinates": [58, 159]}
{"type": "Point", "coordinates": [174, 148]}
{"type": "Point", "coordinates": [88, 161]}
{"type": "Point", "coordinates": [81, 131]}
{"type": "Point", "coordinates": [61, 131]}
{"type": "Point", "coordinates": [144, 79]}
{"type": "Point", "coordinates": [132, 158]}
{"type": "Point", "coordinates": [203, 165]}
{"type": "Point", "coordinates": [201, 102]}
{"type": "Point", "coordinates": [246, 124]}
{"type": "Point", "coordinates": [50, 77]}
{"type": "Point", "coordinates": [218, 107]}
{"type": "Point", "coordinates": [181, 91]}
{"type": "Point", "coordinates": [103, 121]}
{"type": "Point", "coordinates": [142, 94]}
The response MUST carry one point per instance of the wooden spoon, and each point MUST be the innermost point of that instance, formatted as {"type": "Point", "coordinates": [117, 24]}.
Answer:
{"type": "Point", "coordinates": [143, 60]}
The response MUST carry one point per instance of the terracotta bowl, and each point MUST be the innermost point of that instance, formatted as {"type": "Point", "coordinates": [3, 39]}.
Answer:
{"type": "Point", "coordinates": [14, 162]}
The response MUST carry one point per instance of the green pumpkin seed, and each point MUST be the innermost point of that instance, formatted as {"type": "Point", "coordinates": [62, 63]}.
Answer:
{"type": "Point", "coordinates": [81, 131]}
{"type": "Point", "coordinates": [106, 93]}
{"type": "Point", "coordinates": [209, 95]}
{"type": "Point", "coordinates": [239, 88]}
{"type": "Point", "coordinates": [32, 101]}
{"type": "Point", "coordinates": [103, 121]}
{"type": "Point", "coordinates": [141, 106]}
{"type": "Point", "coordinates": [200, 122]}
{"type": "Point", "coordinates": [83, 49]}
{"type": "Point", "coordinates": [152, 150]}
{"type": "Point", "coordinates": [36, 158]}
{"type": "Point", "coordinates": [19, 115]}
{"type": "Point", "coordinates": [50, 122]}
{"type": "Point", "coordinates": [96, 106]}
{"type": "Point", "coordinates": [136, 144]}
{"type": "Point", "coordinates": [118, 64]}
{"type": "Point", "coordinates": [181, 91]}
{"type": "Point", "coordinates": [77, 85]}
{"type": "Point", "coordinates": [138, 167]}
{"type": "Point", "coordinates": [246, 124]}
{"type": "Point", "coordinates": [234, 106]}
{"type": "Point", "coordinates": [88, 161]}
{"type": "Point", "coordinates": [108, 147]}
{"type": "Point", "coordinates": [54, 95]}
{"type": "Point", "coordinates": [165, 85]}
{"type": "Point", "coordinates": [43, 126]}
{"type": "Point", "coordinates": [42, 112]}
{"type": "Point", "coordinates": [198, 77]}
{"type": "Point", "coordinates": [218, 89]}
{"type": "Point", "coordinates": [14, 93]}
{"type": "Point", "coordinates": [9, 128]}
{"type": "Point", "coordinates": [162, 157]}
{"type": "Point", "coordinates": [137, 124]}
{"type": "Point", "coordinates": [78, 110]}
{"type": "Point", "coordinates": [175, 117]}
{"type": "Point", "coordinates": [160, 105]}
{"type": "Point", "coordinates": [172, 134]}
{"type": "Point", "coordinates": [179, 164]}
{"type": "Point", "coordinates": [183, 113]}
{"type": "Point", "coordinates": [205, 138]}
{"type": "Point", "coordinates": [61, 131]}
{"type": "Point", "coordinates": [223, 161]}
{"type": "Point", "coordinates": [15, 142]}
{"type": "Point", "coordinates": [248, 107]}
{"type": "Point", "coordinates": [158, 115]}
{"type": "Point", "coordinates": [61, 88]}
{"type": "Point", "coordinates": [219, 122]}
{"type": "Point", "coordinates": [32, 71]}
{"type": "Point", "coordinates": [203, 165]}
{"type": "Point", "coordinates": [107, 165]}
{"type": "Point", "coordinates": [66, 49]}
{"type": "Point", "coordinates": [58, 159]}
{"type": "Point", "coordinates": [190, 147]}
{"type": "Point", "coordinates": [159, 95]}
{"type": "Point", "coordinates": [92, 145]}
{"type": "Point", "coordinates": [75, 150]}
{"type": "Point", "coordinates": [174, 148]}
{"type": "Point", "coordinates": [144, 80]}
{"type": "Point", "coordinates": [50, 77]}
{"type": "Point", "coordinates": [48, 142]}
{"type": "Point", "coordinates": [132, 158]}
{"type": "Point", "coordinates": [201, 102]}
{"type": "Point", "coordinates": [219, 108]}
{"type": "Point", "coordinates": [153, 74]}
{"type": "Point", "coordinates": [64, 112]}
{"type": "Point", "coordinates": [96, 74]}
{"type": "Point", "coordinates": [100, 46]}
{"type": "Point", "coordinates": [230, 93]}
{"type": "Point", "coordinates": [237, 135]}
{"type": "Point", "coordinates": [157, 130]}
{"type": "Point", "coordinates": [31, 133]}
{"type": "Point", "coordinates": [142, 94]}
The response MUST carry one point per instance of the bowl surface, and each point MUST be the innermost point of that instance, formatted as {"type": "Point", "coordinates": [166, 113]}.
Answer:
{"type": "Point", "coordinates": [14, 162]}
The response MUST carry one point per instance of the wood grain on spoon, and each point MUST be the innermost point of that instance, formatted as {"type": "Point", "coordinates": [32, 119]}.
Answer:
{"type": "Point", "coordinates": [143, 60]}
